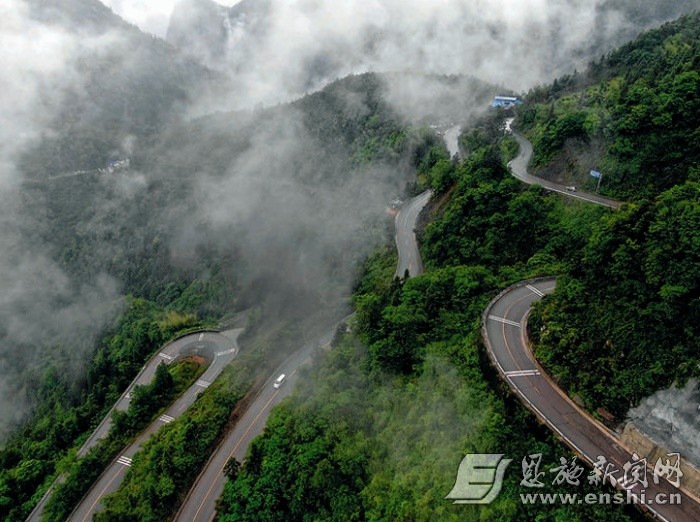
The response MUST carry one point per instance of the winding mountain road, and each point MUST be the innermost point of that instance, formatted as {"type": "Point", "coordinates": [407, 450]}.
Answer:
{"type": "Point", "coordinates": [407, 217]}
{"type": "Point", "coordinates": [518, 167]}
{"type": "Point", "coordinates": [218, 350]}
{"type": "Point", "coordinates": [504, 325]}
{"type": "Point", "coordinates": [409, 256]}
{"type": "Point", "coordinates": [504, 329]}
{"type": "Point", "coordinates": [504, 333]}
{"type": "Point", "coordinates": [200, 503]}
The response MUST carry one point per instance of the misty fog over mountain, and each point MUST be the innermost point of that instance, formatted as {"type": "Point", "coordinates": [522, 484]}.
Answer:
{"type": "Point", "coordinates": [222, 160]}
{"type": "Point", "coordinates": [83, 88]}
{"type": "Point", "coordinates": [278, 48]}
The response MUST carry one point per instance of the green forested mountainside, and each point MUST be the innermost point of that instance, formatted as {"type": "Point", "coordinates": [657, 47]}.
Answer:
{"type": "Point", "coordinates": [125, 225]}
{"type": "Point", "coordinates": [352, 131]}
{"type": "Point", "coordinates": [487, 218]}
{"type": "Point", "coordinates": [147, 403]}
{"type": "Point", "coordinates": [66, 410]}
{"type": "Point", "coordinates": [377, 428]}
{"type": "Point", "coordinates": [165, 468]}
{"type": "Point", "coordinates": [343, 152]}
{"type": "Point", "coordinates": [620, 325]}
{"type": "Point", "coordinates": [632, 116]}
{"type": "Point", "coordinates": [345, 140]}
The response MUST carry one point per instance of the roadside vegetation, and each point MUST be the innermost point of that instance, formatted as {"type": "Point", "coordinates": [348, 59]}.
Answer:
{"type": "Point", "coordinates": [625, 319]}
{"type": "Point", "coordinates": [46, 447]}
{"type": "Point", "coordinates": [147, 402]}
{"type": "Point", "coordinates": [168, 463]}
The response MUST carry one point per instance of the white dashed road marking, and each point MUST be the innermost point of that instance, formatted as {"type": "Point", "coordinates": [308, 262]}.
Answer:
{"type": "Point", "coordinates": [124, 460]}
{"type": "Point", "coordinates": [166, 356]}
{"type": "Point", "coordinates": [522, 373]}
{"type": "Point", "coordinates": [166, 418]}
{"type": "Point", "coordinates": [203, 384]}
{"type": "Point", "coordinates": [534, 290]}
{"type": "Point", "coordinates": [504, 321]}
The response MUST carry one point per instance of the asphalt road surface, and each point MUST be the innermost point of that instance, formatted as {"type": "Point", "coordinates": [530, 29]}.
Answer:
{"type": "Point", "coordinates": [200, 503]}
{"type": "Point", "coordinates": [218, 349]}
{"type": "Point", "coordinates": [409, 255]}
{"type": "Point", "coordinates": [504, 330]}
{"type": "Point", "coordinates": [518, 167]}
{"type": "Point", "coordinates": [206, 344]}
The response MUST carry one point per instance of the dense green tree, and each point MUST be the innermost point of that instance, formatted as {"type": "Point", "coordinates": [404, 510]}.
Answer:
{"type": "Point", "coordinates": [618, 342]}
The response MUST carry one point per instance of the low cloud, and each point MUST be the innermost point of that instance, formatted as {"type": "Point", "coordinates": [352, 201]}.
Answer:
{"type": "Point", "coordinates": [277, 49]}
{"type": "Point", "coordinates": [41, 306]}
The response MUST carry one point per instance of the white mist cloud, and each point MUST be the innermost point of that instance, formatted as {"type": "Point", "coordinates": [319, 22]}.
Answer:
{"type": "Point", "coordinates": [309, 230]}
{"type": "Point", "coordinates": [41, 308]}
{"type": "Point", "coordinates": [671, 418]}
{"type": "Point", "coordinates": [33, 58]}
{"type": "Point", "coordinates": [151, 16]}
{"type": "Point", "coordinates": [299, 45]}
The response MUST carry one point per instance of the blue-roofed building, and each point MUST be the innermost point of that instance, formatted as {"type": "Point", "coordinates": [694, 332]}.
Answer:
{"type": "Point", "coordinates": [506, 102]}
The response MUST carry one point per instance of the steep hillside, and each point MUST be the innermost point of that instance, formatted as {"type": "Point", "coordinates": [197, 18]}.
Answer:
{"type": "Point", "coordinates": [632, 116]}
{"type": "Point", "coordinates": [379, 426]}
{"type": "Point", "coordinates": [623, 322]}
{"type": "Point", "coordinates": [376, 430]}
{"type": "Point", "coordinates": [82, 88]}
{"type": "Point", "coordinates": [118, 85]}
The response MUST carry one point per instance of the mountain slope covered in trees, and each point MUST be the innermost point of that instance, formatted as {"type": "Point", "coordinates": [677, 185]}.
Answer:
{"type": "Point", "coordinates": [623, 321]}
{"type": "Point", "coordinates": [183, 265]}
{"type": "Point", "coordinates": [632, 116]}
{"type": "Point", "coordinates": [377, 428]}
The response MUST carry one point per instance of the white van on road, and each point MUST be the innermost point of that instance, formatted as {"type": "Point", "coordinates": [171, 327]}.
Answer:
{"type": "Point", "coordinates": [279, 381]}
